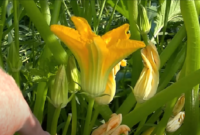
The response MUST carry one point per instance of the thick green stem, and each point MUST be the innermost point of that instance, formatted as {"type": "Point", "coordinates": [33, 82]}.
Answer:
{"type": "Point", "coordinates": [56, 11]}
{"type": "Point", "coordinates": [188, 10]}
{"type": "Point", "coordinates": [55, 121]}
{"type": "Point", "coordinates": [2, 21]}
{"type": "Point", "coordinates": [172, 46]}
{"type": "Point", "coordinates": [88, 117]}
{"type": "Point", "coordinates": [74, 116]}
{"type": "Point", "coordinates": [16, 27]}
{"type": "Point", "coordinates": [133, 16]}
{"type": "Point", "coordinates": [159, 130]}
{"type": "Point", "coordinates": [67, 124]}
{"type": "Point", "coordinates": [135, 34]}
{"type": "Point", "coordinates": [127, 104]}
{"type": "Point", "coordinates": [42, 26]}
{"type": "Point", "coordinates": [40, 100]}
{"type": "Point", "coordinates": [94, 118]}
{"type": "Point", "coordinates": [45, 10]}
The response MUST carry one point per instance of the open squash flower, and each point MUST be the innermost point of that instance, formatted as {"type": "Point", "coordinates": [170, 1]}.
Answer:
{"type": "Point", "coordinates": [111, 85]}
{"type": "Point", "coordinates": [112, 127]}
{"type": "Point", "coordinates": [96, 55]}
{"type": "Point", "coordinates": [147, 83]}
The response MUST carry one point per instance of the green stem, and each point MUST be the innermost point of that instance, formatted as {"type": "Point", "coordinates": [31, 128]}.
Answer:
{"type": "Point", "coordinates": [127, 105]}
{"type": "Point", "coordinates": [94, 118]}
{"type": "Point", "coordinates": [104, 110]}
{"type": "Point", "coordinates": [68, 12]}
{"type": "Point", "coordinates": [67, 124]}
{"type": "Point", "coordinates": [168, 5]}
{"type": "Point", "coordinates": [135, 34]}
{"type": "Point", "coordinates": [88, 117]}
{"type": "Point", "coordinates": [111, 17]}
{"type": "Point", "coordinates": [40, 100]}
{"type": "Point", "coordinates": [133, 16]}
{"type": "Point", "coordinates": [2, 21]}
{"type": "Point", "coordinates": [190, 17]}
{"type": "Point", "coordinates": [56, 12]}
{"type": "Point", "coordinates": [159, 130]}
{"type": "Point", "coordinates": [99, 17]}
{"type": "Point", "coordinates": [175, 63]}
{"type": "Point", "coordinates": [51, 41]}
{"type": "Point", "coordinates": [16, 27]}
{"type": "Point", "coordinates": [74, 116]}
{"type": "Point", "coordinates": [172, 46]}
{"type": "Point", "coordinates": [55, 121]}
{"type": "Point", "coordinates": [145, 38]}
{"type": "Point", "coordinates": [45, 10]}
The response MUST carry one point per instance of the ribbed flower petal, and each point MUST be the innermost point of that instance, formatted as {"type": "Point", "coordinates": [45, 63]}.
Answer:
{"type": "Point", "coordinates": [147, 83]}
{"type": "Point", "coordinates": [122, 49]}
{"type": "Point", "coordinates": [82, 27]}
{"type": "Point", "coordinates": [122, 129]}
{"type": "Point", "coordinates": [113, 36]}
{"type": "Point", "coordinates": [96, 55]}
{"type": "Point", "coordinates": [109, 92]}
{"type": "Point", "coordinates": [110, 86]}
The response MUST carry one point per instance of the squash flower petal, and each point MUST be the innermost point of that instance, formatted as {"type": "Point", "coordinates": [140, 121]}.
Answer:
{"type": "Point", "coordinates": [96, 55]}
{"type": "Point", "coordinates": [112, 126]}
{"type": "Point", "coordinates": [148, 81]}
{"type": "Point", "coordinates": [122, 129]}
{"type": "Point", "coordinates": [110, 90]}
{"type": "Point", "coordinates": [175, 123]}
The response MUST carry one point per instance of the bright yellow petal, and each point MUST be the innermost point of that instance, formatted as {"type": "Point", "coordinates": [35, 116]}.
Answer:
{"type": "Point", "coordinates": [73, 41]}
{"type": "Point", "coordinates": [109, 92]}
{"type": "Point", "coordinates": [121, 50]}
{"type": "Point", "coordinates": [82, 27]}
{"type": "Point", "coordinates": [113, 36]}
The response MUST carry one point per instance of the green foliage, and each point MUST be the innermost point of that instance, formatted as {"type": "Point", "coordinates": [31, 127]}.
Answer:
{"type": "Point", "coordinates": [31, 53]}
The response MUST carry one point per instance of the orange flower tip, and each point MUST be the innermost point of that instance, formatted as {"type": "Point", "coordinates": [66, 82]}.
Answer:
{"type": "Point", "coordinates": [123, 63]}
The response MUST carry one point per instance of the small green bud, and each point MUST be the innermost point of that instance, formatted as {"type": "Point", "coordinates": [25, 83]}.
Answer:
{"type": "Point", "coordinates": [73, 75]}
{"type": "Point", "coordinates": [59, 89]}
{"type": "Point", "coordinates": [143, 21]}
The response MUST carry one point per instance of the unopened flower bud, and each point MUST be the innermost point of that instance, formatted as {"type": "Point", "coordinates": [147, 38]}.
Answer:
{"type": "Point", "coordinates": [143, 21]}
{"type": "Point", "coordinates": [59, 89]}
{"type": "Point", "coordinates": [179, 105]}
{"type": "Point", "coordinates": [148, 81]}
{"type": "Point", "coordinates": [175, 122]}
{"type": "Point", "coordinates": [73, 75]}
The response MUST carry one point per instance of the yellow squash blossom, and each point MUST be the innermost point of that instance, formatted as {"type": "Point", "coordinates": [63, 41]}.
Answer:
{"type": "Point", "coordinates": [147, 83]}
{"type": "Point", "coordinates": [111, 85]}
{"type": "Point", "coordinates": [96, 55]}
